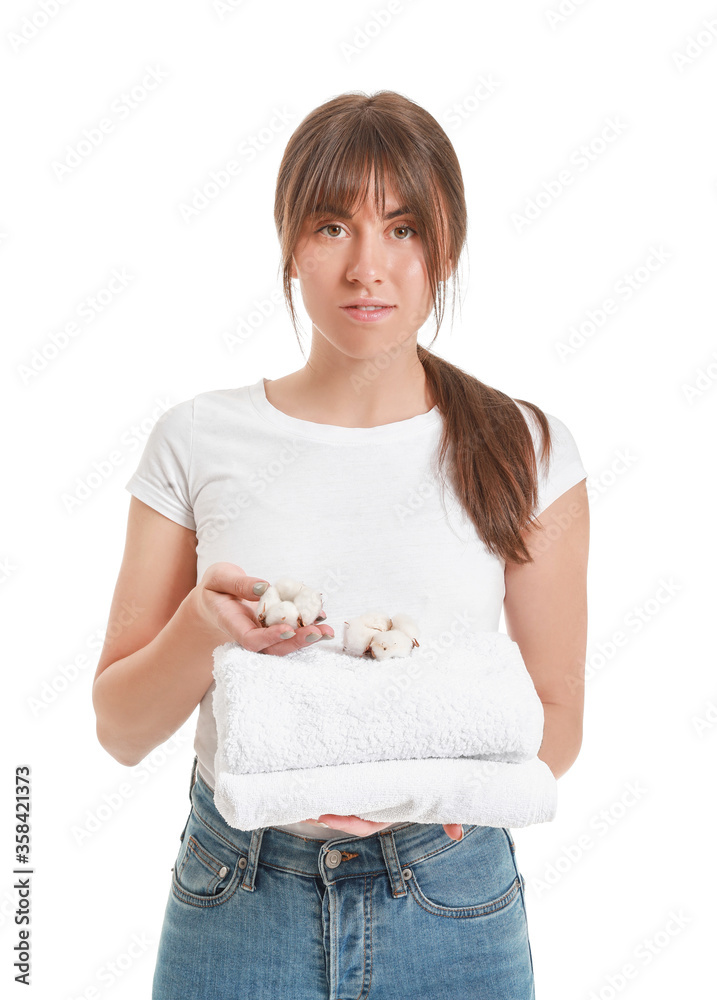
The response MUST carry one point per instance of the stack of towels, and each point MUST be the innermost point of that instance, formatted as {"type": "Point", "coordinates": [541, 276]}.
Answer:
{"type": "Point", "coordinates": [434, 737]}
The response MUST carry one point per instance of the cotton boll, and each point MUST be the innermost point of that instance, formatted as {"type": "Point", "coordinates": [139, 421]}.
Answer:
{"type": "Point", "coordinates": [291, 602]}
{"type": "Point", "coordinates": [375, 620]}
{"type": "Point", "coordinates": [360, 631]}
{"type": "Point", "coordinates": [270, 596]}
{"type": "Point", "coordinates": [357, 637]}
{"type": "Point", "coordinates": [288, 588]}
{"type": "Point", "coordinates": [283, 613]}
{"type": "Point", "coordinates": [392, 643]}
{"type": "Point", "coordinates": [308, 604]}
{"type": "Point", "coordinates": [406, 624]}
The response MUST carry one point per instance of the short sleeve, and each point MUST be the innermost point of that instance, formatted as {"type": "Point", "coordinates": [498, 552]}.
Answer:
{"type": "Point", "coordinates": [162, 477]}
{"type": "Point", "coordinates": [565, 467]}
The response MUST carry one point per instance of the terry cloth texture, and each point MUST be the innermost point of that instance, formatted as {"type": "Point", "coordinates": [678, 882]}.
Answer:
{"type": "Point", "coordinates": [422, 738]}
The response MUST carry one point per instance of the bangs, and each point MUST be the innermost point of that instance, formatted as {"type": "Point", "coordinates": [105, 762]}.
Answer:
{"type": "Point", "coordinates": [340, 182]}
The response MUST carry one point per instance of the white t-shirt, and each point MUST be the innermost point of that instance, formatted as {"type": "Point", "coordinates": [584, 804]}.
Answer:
{"type": "Point", "coordinates": [358, 513]}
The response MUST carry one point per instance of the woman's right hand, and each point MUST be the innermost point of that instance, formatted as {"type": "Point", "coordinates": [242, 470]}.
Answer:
{"type": "Point", "coordinates": [218, 600]}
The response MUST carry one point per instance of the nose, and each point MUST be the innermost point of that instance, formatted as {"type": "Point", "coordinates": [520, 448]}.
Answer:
{"type": "Point", "coordinates": [367, 259]}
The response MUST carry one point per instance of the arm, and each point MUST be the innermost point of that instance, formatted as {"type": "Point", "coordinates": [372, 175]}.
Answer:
{"type": "Point", "coordinates": [545, 609]}
{"type": "Point", "coordinates": [156, 663]}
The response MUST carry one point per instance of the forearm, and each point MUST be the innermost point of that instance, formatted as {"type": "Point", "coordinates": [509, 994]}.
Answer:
{"type": "Point", "coordinates": [142, 699]}
{"type": "Point", "coordinates": [562, 738]}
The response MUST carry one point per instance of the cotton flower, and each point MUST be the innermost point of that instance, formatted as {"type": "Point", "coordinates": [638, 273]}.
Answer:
{"type": "Point", "coordinates": [357, 637]}
{"type": "Point", "coordinates": [289, 602]}
{"type": "Point", "coordinates": [375, 620]}
{"type": "Point", "coordinates": [308, 604]}
{"type": "Point", "coordinates": [406, 624]}
{"type": "Point", "coordinates": [380, 636]}
{"type": "Point", "coordinates": [391, 643]}
{"type": "Point", "coordinates": [281, 613]}
{"type": "Point", "coordinates": [288, 588]}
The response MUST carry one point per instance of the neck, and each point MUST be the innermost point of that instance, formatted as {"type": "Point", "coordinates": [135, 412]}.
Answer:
{"type": "Point", "coordinates": [353, 395]}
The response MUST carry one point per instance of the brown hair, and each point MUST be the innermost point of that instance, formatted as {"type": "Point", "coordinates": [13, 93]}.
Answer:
{"type": "Point", "coordinates": [329, 160]}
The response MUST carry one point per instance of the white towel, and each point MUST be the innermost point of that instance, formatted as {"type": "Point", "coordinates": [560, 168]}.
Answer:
{"type": "Point", "coordinates": [428, 738]}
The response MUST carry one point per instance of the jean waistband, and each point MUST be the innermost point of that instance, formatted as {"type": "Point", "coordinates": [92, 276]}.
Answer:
{"type": "Point", "coordinates": [336, 858]}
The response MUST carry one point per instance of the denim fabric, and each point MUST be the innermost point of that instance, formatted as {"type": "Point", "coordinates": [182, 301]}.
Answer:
{"type": "Point", "coordinates": [403, 913]}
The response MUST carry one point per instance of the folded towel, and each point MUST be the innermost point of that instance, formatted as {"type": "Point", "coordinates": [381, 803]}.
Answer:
{"type": "Point", "coordinates": [317, 706]}
{"type": "Point", "coordinates": [485, 792]}
{"type": "Point", "coordinates": [449, 737]}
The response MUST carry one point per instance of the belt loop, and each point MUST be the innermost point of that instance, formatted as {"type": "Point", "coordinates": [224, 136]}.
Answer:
{"type": "Point", "coordinates": [253, 859]}
{"type": "Point", "coordinates": [393, 864]}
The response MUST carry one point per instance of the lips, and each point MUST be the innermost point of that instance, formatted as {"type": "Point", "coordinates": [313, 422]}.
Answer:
{"type": "Point", "coordinates": [367, 300]}
{"type": "Point", "coordinates": [368, 315]}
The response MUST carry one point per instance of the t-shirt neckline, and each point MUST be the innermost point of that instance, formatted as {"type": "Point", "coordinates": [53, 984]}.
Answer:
{"type": "Point", "coordinates": [393, 431]}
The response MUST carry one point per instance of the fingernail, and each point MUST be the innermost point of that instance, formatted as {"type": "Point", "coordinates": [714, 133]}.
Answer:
{"type": "Point", "coordinates": [313, 637]}
{"type": "Point", "coordinates": [287, 635]}
{"type": "Point", "coordinates": [461, 836]}
{"type": "Point", "coordinates": [327, 636]}
{"type": "Point", "coordinates": [259, 588]}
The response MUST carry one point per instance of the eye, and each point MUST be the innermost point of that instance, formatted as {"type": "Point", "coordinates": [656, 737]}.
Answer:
{"type": "Point", "coordinates": [329, 225]}
{"type": "Point", "coordinates": [408, 229]}
{"type": "Point", "coordinates": [335, 225]}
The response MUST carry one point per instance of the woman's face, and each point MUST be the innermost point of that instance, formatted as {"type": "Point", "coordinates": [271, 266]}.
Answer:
{"type": "Point", "coordinates": [339, 261]}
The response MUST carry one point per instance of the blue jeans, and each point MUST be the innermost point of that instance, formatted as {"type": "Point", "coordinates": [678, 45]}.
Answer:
{"type": "Point", "coordinates": [403, 913]}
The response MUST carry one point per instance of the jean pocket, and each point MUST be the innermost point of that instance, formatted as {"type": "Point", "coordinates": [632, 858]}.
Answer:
{"type": "Point", "coordinates": [474, 877]}
{"type": "Point", "coordinates": [207, 869]}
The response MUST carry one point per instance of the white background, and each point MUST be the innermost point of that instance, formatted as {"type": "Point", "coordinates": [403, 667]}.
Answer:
{"type": "Point", "coordinates": [629, 850]}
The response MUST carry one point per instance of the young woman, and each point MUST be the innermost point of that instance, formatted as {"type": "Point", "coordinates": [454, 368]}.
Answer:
{"type": "Point", "coordinates": [381, 475]}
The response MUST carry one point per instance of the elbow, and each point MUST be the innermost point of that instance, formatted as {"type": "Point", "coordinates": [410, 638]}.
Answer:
{"type": "Point", "coordinates": [108, 739]}
{"type": "Point", "coordinates": [116, 750]}
{"type": "Point", "coordinates": [124, 759]}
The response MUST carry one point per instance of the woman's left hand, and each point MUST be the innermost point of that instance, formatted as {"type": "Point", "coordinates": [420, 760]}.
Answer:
{"type": "Point", "coordinates": [364, 827]}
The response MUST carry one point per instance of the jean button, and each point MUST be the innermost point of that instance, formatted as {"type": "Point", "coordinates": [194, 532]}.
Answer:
{"type": "Point", "coordinates": [407, 873]}
{"type": "Point", "coordinates": [333, 858]}
{"type": "Point", "coordinates": [222, 871]}
{"type": "Point", "coordinates": [242, 862]}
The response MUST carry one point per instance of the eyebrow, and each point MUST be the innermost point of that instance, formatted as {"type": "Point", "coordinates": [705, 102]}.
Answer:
{"type": "Point", "coordinates": [332, 210]}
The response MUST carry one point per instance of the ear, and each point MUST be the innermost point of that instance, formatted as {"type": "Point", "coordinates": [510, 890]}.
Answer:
{"type": "Point", "coordinates": [293, 273]}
